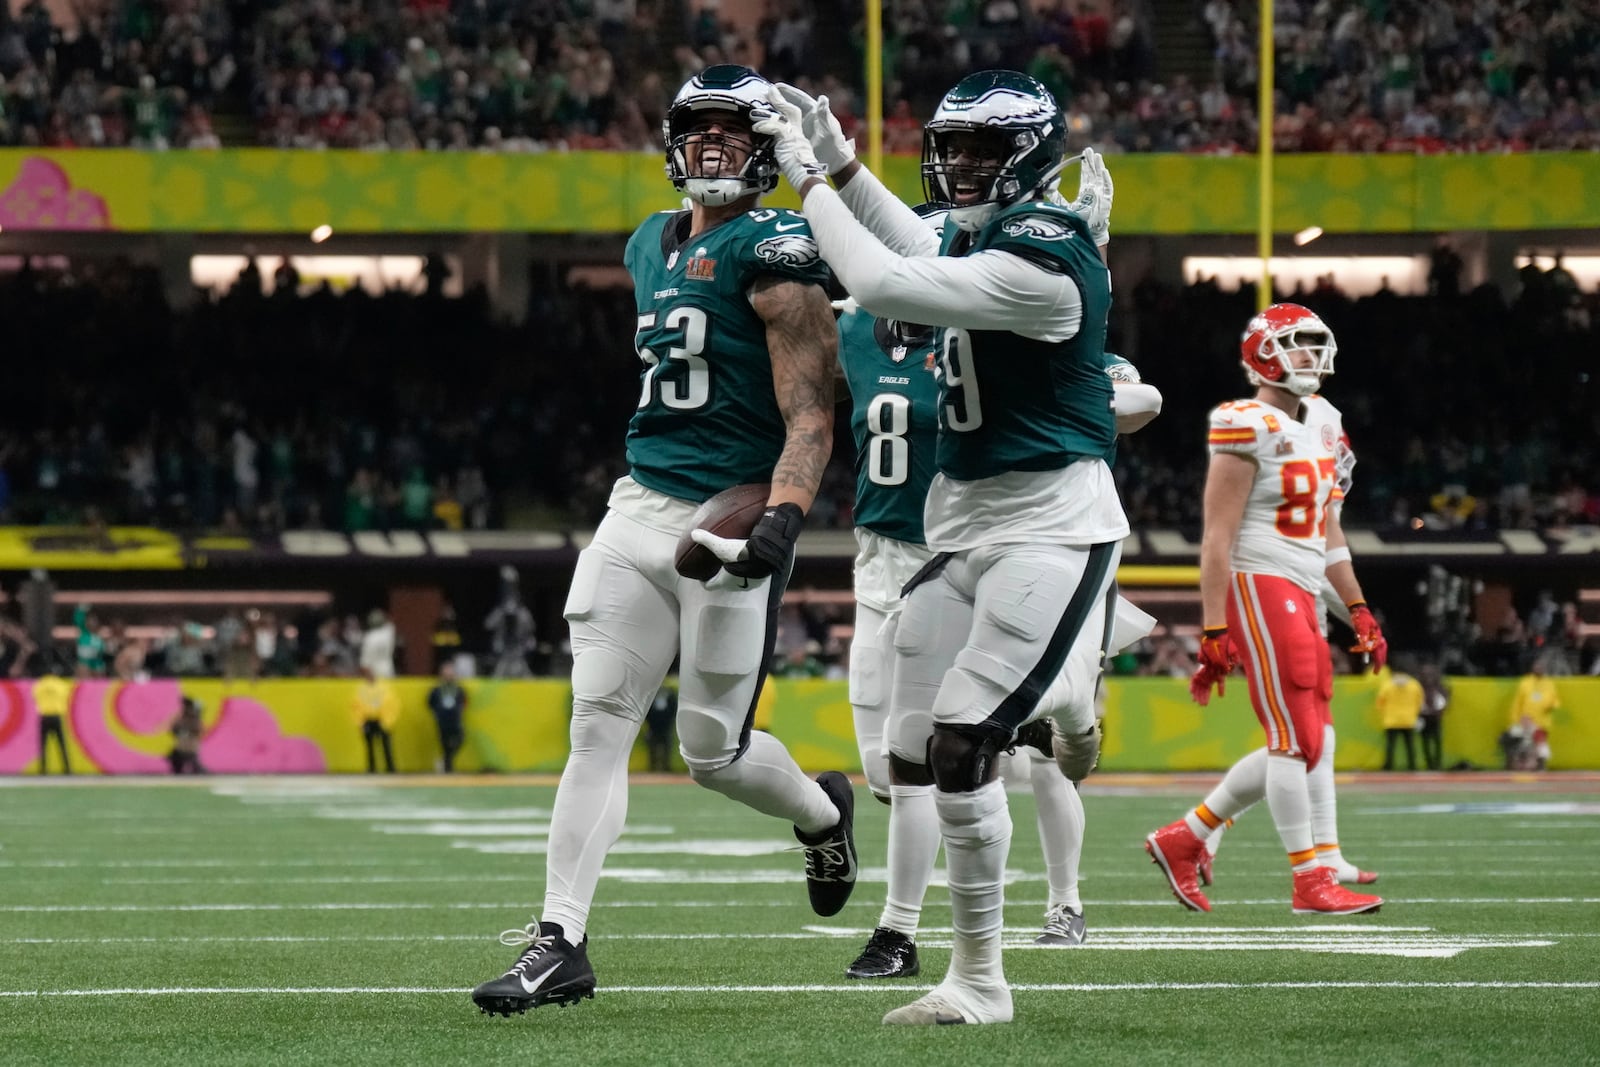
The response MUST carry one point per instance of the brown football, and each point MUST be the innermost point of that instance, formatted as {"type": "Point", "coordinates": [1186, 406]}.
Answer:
{"type": "Point", "coordinates": [731, 513]}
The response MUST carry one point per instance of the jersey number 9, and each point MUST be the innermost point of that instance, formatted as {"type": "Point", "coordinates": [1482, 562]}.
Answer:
{"type": "Point", "coordinates": [961, 410]}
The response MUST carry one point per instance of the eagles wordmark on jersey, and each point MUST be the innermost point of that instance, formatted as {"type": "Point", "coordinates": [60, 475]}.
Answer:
{"type": "Point", "coordinates": [707, 418]}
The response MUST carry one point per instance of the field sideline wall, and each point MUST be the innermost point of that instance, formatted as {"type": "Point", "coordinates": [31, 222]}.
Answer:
{"type": "Point", "coordinates": [260, 191]}
{"type": "Point", "coordinates": [305, 726]}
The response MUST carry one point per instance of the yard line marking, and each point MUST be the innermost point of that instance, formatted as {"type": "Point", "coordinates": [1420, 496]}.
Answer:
{"type": "Point", "coordinates": [523, 905]}
{"type": "Point", "coordinates": [854, 987]}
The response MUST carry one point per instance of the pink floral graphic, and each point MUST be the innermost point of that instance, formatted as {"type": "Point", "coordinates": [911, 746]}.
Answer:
{"type": "Point", "coordinates": [19, 728]}
{"type": "Point", "coordinates": [140, 709]}
{"type": "Point", "coordinates": [247, 739]}
{"type": "Point", "coordinates": [42, 198]}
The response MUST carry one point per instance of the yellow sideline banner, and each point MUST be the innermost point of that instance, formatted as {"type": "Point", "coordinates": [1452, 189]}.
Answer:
{"type": "Point", "coordinates": [258, 191]}
{"type": "Point", "coordinates": [306, 726]}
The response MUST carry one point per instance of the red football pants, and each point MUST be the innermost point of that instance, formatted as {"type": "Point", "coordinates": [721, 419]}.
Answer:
{"type": "Point", "coordinates": [1286, 661]}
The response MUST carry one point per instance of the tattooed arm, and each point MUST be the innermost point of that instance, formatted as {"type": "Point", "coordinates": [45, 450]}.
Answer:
{"type": "Point", "coordinates": [804, 342]}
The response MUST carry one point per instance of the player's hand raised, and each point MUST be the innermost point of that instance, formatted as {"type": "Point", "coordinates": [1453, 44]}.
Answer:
{"type": "Point", "coordinates": [782, 121]}
{"type": "Point", "coordinates": [1093, 204]}
{"type": "Point", "coordinates": [833, 149]}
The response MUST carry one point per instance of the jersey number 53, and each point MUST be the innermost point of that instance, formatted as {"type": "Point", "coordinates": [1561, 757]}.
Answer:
{"type": "Point", "coordinates": [683, 378]}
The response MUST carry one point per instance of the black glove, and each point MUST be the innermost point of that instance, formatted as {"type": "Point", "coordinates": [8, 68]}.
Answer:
{"type": "Point", "coordinates": [771, 543]}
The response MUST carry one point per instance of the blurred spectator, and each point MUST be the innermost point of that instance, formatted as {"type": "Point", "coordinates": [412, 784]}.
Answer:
{"type": "Point", "coordinates": [378, 645]}
{"type": "Point", "coordinates": [376, 708]}
{"type": "Point", "coordinates": [52, 697]}
{"type": "Point", "coordinates": [1400, 700]}
{"type": "Point", "coordinates": [1435, 702]}
{"type": "Point", "coordinates": [1533, 707]}
{"type": "Point", "coordinates": [510, 629]}
{"type": "Point", "coordinates": [187, 729]}
{"type": "Point", "coordinates": [448, 702]}
{"type": "Point", "coordinates": [659, 721]}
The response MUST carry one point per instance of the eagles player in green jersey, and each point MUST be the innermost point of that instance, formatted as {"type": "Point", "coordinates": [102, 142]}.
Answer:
{"type": "Point", "coordinates": [1023, 515]}
{"type": "Point", "coordinates": [738, 347]}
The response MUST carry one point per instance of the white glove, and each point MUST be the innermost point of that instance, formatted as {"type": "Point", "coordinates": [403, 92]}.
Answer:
{"type": "Point", "coordinates": [1093, 204]}
{"type": "Point", "coordinates": [822, 130]}
{"type": "Point", "coordinates": [847, 306]}
{"type": "Point", "coordinates": [783, 124]}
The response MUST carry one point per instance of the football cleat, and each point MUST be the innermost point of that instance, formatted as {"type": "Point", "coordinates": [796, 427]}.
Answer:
{"type": "Point", "coordinates": [1317, 893]}
{"type": "Point", "coordinates": [889, 954]}
{"type": "Point", "coordinates": [1077, 754]}
{"type": "Point", "coordinates": [1063, 928]}
{"type": "Point", "coordinates": [1035, 735]}
{"type": "Point", "coordinates": [950, 1003]}
{"type": "Point", "coordinates": [1202, 866]}
{"type": "Point", "coordinates": [831, 855]}
{"type": "Point", "coordinates": [549, 971]}
{"type": "Point", "coordinates": [1177, 851]}
{"type": "Point", "coordinates": [1350, 874]}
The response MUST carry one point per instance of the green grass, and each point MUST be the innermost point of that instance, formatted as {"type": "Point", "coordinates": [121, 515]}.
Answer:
{"type": "Point", "coordinates": [281, 935]}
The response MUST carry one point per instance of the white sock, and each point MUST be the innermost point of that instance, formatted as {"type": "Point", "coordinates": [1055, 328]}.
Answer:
{"type": "Point", "coordinates": [1243, 785]}
{"type": "Point", "coordinates": [1060, 813]}
{"type": "Point", "coordinates": [1291, 809]}
{"type": "Point", "coordinates": [1324, 805]}
{"type": "Point", "coordinates": [977, 837]}
{"type": "Point", "coordinates": [768, 779]}
{"type": "Point", "coordinates": [591, 807]}
{"type": "Point", "coordinates": [913, 847]}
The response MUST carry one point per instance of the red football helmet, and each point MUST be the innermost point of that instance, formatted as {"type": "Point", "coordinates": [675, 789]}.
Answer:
{"type": "Point", "coordinates": [1275, 335]}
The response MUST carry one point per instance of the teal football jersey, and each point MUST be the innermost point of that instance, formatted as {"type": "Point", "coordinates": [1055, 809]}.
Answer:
{"type": "Point", "coordinates": [1012, 403]}
{"type": "Point", "coordinates": [893, 415]}
{"type": "Point", "coordinates": [707, 417]}
{"type": "Point", "coordinates": [1118, 369]}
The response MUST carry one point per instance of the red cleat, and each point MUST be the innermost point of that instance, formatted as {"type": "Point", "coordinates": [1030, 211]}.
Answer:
{"type": "Point", "coordinates": [1177, 851]}
{"type": "Point", "coordinates": [1316, 892]}
{"type": "Point", "coordinates": [1202, 866]}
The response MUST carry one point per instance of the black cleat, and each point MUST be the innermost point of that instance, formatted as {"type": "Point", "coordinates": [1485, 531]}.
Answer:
{"type": "Point", "coordinates": [1036, 735]}
{"type": "Point", "coordinates": [831, 855]}
{"type": "Point", "coordinates": [1063, 928]}
{"type": "Point", "coordinates": [549, 971]}
{"type": "Point", "coordinates": [889, 954]}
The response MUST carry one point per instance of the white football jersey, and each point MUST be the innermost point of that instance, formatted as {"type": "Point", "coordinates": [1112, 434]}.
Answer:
{"type": "Point", "coordinates": [1284, 529]}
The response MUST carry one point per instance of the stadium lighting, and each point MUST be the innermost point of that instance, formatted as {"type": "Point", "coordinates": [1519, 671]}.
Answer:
{"type": "Point", "coordinates": [323, 232]}
{"type": "Point", "coordinates": [1307, 235]}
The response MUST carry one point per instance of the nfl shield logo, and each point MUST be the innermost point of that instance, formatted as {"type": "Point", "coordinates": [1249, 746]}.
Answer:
{"type": "Point", "coordinates": [898, 353]}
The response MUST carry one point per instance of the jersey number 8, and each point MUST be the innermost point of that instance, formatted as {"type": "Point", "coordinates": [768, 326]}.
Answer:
{"type": "Point", "coordinates": [888, 451]}
{"type": "Point", "coordinates": [690, 389]}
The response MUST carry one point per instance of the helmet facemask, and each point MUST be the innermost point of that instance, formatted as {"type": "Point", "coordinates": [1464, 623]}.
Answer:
{"type": "Point", "coordinates": [1280, 346]}
{"type": "Point", "coordinates": [729, 93]}
{"type": "Point", "coordinates": [995, 139]}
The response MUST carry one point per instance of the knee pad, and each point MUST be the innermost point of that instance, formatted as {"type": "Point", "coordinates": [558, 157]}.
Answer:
{"type": "Point", "coordinates": [705, 742]}
{"type": "Point", "coordinates": [905, 772]}
{"type": "Point", "coordinates": [599, 682]}
{"type": "Point", "coordinates": [962, 760]}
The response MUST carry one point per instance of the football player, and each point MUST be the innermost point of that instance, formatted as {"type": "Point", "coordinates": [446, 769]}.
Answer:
{"type": "Point", "coordinates": [738, 345]}
{"type": "Point", "coordinates": [1023, 517]}
{"type": "Point", "coordinates": [1271, 535]}
{"type": "Point", "coordinates": [1249, 786]}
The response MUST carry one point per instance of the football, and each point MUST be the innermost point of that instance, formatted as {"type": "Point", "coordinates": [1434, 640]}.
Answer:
{"type": "Point", "coordinates": [731, 513]}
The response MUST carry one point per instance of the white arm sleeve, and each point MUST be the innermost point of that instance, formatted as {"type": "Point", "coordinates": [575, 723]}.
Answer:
{"type": "Point", "coordinates": [1135, 404]}
{"type": "Point", "coordinates": [989, 290]}
{"type": "Point", "coordinates": [891, 221]}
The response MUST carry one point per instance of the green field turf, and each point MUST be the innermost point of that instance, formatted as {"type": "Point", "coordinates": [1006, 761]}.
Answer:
{"type": "Point", "coordinates": [342, 921]}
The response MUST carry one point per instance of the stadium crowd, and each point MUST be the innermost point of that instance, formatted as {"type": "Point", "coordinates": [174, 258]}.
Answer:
{"type": "Point", "coordinates": [473, 74]}
{"type": "Point", "coordinates": [265, 412]}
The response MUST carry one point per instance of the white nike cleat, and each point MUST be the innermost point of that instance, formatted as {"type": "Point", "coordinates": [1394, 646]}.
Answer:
{"type": "Point", "coordinates": [950, 1003]}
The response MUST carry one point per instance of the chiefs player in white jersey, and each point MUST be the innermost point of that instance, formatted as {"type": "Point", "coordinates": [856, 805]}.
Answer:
{"type": "Point", "coordinates": [1246, 781]}
{"type": "Point", "coordinates": [1270, 516]}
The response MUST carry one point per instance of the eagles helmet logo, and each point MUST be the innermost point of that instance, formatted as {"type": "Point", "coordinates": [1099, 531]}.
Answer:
{"type": "Point", "coordinates": [1040, 229]}
{"type": "Point", "coordinates": [788, 249]}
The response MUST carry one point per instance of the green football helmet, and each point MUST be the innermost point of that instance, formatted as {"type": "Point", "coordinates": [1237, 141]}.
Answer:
{"type": "Point", "coordinates": [996, 139]}
{"type": "Point", "coordinates": [724, 87]}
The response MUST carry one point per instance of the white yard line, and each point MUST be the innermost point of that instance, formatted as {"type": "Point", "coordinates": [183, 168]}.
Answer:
{"type": "Point", "coordinates": [854, 987]}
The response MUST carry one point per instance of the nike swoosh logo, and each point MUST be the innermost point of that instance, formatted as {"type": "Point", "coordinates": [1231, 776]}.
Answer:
{"type": "Point", "coordinates": [533, 987]}
{"type": "Point", "coordinates": [785, 227]}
